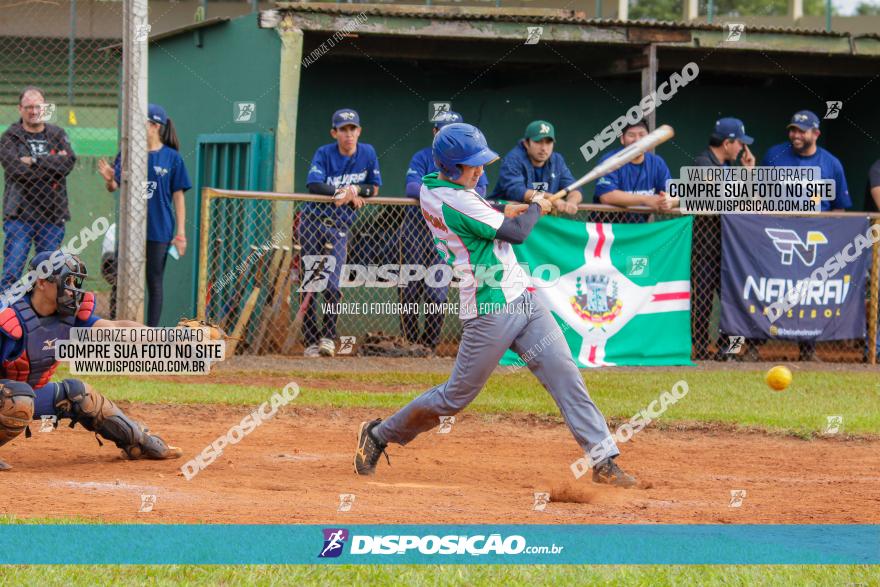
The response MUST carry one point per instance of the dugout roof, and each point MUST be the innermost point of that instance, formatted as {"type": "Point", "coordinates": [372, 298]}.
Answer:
{"type": "Point", "coordinates": [489, 33]}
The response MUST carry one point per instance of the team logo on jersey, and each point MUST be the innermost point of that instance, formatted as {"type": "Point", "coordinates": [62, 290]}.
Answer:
{"type": "Point", "coordinates": [160, 171]}
{"type": "Point", "coordinates": [334, 541]}
{"type": "Point", "coordinates": [789, 244]}
{"type": "Point", "coordinates": [596, 300]}
{"type": "Point", "coordinates": [434, 221]}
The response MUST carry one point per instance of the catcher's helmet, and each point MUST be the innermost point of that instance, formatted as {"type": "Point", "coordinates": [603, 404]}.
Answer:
{"type": "Point", "coordinates": [68, 272]}
{"type": "Point", "coordinates": [460, 144]}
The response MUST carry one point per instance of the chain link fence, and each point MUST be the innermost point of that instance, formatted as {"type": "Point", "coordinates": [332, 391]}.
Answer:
{"type": "Point", "coordinates": [254, 281]}
{"type": "Point", "coordinates": [58, 117]}
{"type": "Point", "coordinates": [59, 91]}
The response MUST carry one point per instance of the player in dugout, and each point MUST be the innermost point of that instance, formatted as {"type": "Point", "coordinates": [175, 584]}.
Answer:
{"type": "Point", "coordinates": [532, 168]}
{"type": "Point", "coordinates": [641, 182]}
{"type": "Point", "coordinates": [728, 143]}
{"type": "Point", "coordinates": [417, 247]}
{"type": "Point", "coordinates": [349, 171]}
{"type": "Point", "coordinates": [802, 150]}
{"type": "Point", "coordinates": [29, 329]}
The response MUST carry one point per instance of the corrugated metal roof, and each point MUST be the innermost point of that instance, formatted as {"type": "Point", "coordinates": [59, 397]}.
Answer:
{"type": "Point", "coordinates": [529, 15]}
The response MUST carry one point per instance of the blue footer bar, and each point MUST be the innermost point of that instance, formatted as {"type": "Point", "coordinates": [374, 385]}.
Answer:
{"type": "Point", "coordinates": [433, 544]}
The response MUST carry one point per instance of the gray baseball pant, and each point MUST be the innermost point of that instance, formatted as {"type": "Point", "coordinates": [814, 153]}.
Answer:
{"type": "Point", "coordinates": [526, 327]}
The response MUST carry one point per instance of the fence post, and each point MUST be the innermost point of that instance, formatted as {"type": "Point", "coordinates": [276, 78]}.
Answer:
{"type": "Point", "coordinates": [204, 233]}
{"type": "Point", "coordinates": [133, 176]}
{"type": "Point", "coordinates": [874, 302]}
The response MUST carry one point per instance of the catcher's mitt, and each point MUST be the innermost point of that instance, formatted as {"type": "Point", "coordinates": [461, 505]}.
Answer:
{"type": "Point", "coordinates": [215, 332]}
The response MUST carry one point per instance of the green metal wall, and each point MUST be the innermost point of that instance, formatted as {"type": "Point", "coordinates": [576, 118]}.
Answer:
{"type": "Point", "coordinates": [199, 86]}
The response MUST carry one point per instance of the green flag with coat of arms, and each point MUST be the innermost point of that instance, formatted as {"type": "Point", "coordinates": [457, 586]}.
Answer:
{"type": "Point", "coordinates": [623, 295]}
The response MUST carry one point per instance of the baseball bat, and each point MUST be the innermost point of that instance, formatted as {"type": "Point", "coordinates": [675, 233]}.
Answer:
{"type": "Point", "coordinates": [659, 136]}
{"type": "Point", "coordinates": [269, 305]}
{"type": "Point", "coordinates": [280, 298]}
{"type": "Point", "coordinates": [230, 310]}
{"type": "Point", "coordinates": [284, 340]}
{"type": "Point", "coordinates": [241, 326]}
{"type": "Point", "coordinates": [296, 327]}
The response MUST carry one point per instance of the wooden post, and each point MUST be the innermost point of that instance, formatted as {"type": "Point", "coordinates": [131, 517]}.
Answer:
{"type": "Point", "coordinates": [204, 230]}
{"type": "Point", "coordinates": [649, 80]}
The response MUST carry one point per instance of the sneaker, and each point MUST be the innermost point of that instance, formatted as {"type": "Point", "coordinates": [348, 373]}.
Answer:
{"type": "Point", "coordinates": [327, 347]}
{"type": "Point", "coordinates": [152, 447]}
{"type": "Point", "coordinates": [312, 352]}
{"type": "Point", "coordinates": [609, 473]}
{"type": "Point", "coordinates": [368, 450]}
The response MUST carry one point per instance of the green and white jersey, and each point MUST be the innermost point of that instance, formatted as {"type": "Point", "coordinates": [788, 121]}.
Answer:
{"type": "Point", "coordinates": [464, 226]}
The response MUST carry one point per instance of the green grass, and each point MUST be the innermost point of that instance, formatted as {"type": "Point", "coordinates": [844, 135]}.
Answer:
{"type": "Point", "coordinates": [411, 575]}
{"type": "Point", "coordinates": [732, 398]}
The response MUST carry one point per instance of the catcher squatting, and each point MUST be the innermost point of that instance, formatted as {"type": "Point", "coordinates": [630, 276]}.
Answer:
{"type": "Point", "coordinates": [468, 229]}
{"type": "Point", "coordinates": [29, 329]}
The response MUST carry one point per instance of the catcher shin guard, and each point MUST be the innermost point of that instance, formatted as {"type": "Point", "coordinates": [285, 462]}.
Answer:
{"type": "Point", "coordinates": [16, 411]}
{"type": "Point", "coordinates": [81, 403]}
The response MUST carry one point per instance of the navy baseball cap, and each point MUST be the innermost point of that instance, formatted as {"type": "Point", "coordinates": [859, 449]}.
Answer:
{"type": "Point", "coordinates": [345, 116]}
{"type": "Point", "coordinates": [447, 118]}
{"type": "Point", "coordinates": [39, 258]}
{"type": "Point", "coordinates": [156, 113]}
{"type": "Point", "coordinates": [804, 120]}
{"type": "Point", "coordinates": [732, 128]}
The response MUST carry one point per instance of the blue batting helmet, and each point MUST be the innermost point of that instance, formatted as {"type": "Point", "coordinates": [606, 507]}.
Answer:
{"type": "Point", "coordinates": [460, 144]}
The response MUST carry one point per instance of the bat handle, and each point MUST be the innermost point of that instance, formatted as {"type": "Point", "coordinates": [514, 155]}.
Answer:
{"type": "Point", "coordinates": [560, 194]}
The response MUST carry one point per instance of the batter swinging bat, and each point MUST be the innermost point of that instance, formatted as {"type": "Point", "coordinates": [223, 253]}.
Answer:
{"type": "Point", "coordinates": [660, 135]}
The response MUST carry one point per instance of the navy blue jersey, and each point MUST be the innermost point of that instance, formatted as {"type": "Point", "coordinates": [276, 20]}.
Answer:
{"type": "Point", "coordinates": [422, 163]}
{"type": "Point", "coordinates": [165, 167]}
{"type": "Point", "coordinates": [783, 155]}
{"type": "Point", "coordinates": [332, 167]}
{"type": "Point", "coordinates": [518, 175]}
{"type": "Point", "coordinates": [647, 178]}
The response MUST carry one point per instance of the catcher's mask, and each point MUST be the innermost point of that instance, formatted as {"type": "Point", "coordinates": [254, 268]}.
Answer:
{"type": "Point", "coordinates": [69, 277]}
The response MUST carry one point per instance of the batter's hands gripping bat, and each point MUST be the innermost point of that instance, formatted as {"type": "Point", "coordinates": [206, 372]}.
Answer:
{"type": "Point", "coordinates": [659, 136]}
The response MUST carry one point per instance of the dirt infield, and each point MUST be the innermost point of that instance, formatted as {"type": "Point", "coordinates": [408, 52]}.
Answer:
{"type": "Point", "coordinates": [292, 470]}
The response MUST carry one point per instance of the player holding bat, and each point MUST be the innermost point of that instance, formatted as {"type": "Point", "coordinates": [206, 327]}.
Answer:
{"type": "Point", "coordinates": [497, 314]}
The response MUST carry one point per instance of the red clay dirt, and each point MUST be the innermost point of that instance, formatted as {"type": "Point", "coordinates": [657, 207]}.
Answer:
{"type": "Point", "coordinates": [293, 468]}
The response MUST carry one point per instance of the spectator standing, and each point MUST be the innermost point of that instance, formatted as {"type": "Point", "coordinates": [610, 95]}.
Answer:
{"type": "Point", "coordinates": [36, 158]}
{"type": "Point", "coordinates": [167, 180]}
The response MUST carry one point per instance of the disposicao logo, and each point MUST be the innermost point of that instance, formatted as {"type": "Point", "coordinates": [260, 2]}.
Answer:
{"type": "Point", "coordinates": [334, 541]}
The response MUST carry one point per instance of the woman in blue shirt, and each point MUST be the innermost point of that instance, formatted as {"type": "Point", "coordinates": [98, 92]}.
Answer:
{"type": "Point", "coordinates": [167, 180]}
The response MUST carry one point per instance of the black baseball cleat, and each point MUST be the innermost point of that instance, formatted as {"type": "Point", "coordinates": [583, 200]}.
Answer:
{"type": "Point", "coordinates": [368, 449]}
{"type": "Point", "coordinates": [609, 473]}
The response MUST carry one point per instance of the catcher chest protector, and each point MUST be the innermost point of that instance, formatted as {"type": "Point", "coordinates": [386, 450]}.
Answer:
{"type": "Point", "coordinates": [36, 364]}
